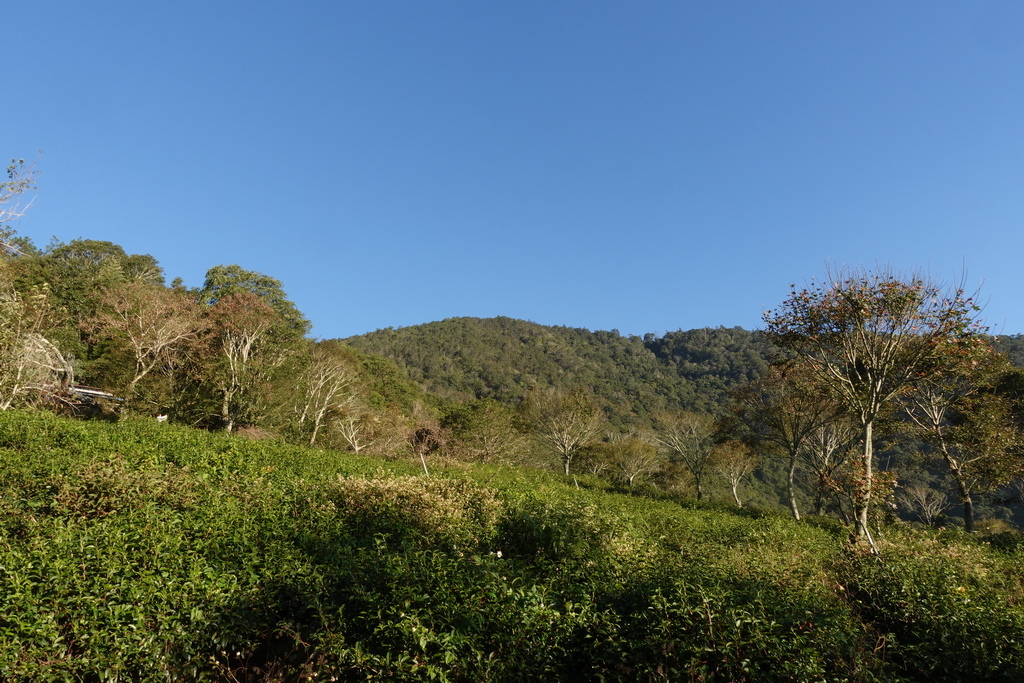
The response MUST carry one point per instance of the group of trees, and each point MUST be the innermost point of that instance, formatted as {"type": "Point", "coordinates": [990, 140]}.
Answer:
{"type": "Point", "coordinates": [867, 358]}
{"type": "Point", "coordinates": [230, 354]}
{"type": "Point", "coordinates": [877, 349]}
{"type": "Point", "coordinates": [682, 449]}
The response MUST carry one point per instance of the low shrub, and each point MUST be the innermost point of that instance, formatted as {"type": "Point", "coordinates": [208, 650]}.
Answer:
{"type": "Point", "coordinates": [945, 607]}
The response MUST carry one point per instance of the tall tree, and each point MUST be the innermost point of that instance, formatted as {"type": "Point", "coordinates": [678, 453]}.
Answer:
{"type": "Point", "coordinates": [869, 336]}
{"type": "Point", "coordinates": [242, 326]}
{"type": "Point", "coordinates": [257, 329]}
{"type": "Point", "coordinates": [327, 384]}
{"type": "Point", "coordinates": [222, 281]}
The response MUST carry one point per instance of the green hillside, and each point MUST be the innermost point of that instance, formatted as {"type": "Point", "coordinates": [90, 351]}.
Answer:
{"type": "Point", "coordinates": [502, 358]}
{"type": "Point", "coordinates": [147, 552]}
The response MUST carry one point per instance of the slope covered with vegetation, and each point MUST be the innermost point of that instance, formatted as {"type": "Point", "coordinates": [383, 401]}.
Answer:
{"type": "Point", "coordinates": [503, 358]}
{"type": "Point", "coordinates": [139, 551]}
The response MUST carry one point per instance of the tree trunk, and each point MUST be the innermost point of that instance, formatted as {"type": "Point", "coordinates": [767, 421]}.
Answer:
{"type": "Point", "coordinates": [969, 515]}
{"type": "Point", "coordinates": [961, 487]}
{"type": "Point", "coordinates": [735, 494]}
{"type": "Point", "coordinates": [791, 487]}
{"type": "Point", "coordinates": [423, 459]}
{"type": "Point", "coordinates": [819, 497]}
{"type": "Point", "coordinates": [317, 421]}
{"type": "Point", "coordinates": [968, 503]}
{"type": "Point", "coordinates": [862, 494]}
{"type": "Point", "coordinates": [225, 411]}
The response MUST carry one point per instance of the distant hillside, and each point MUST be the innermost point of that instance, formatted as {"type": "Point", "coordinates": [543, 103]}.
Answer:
{"type": "Point", "coordinates": [1012, 345]}
{"type": "Point", "coordinates": [502, 358]}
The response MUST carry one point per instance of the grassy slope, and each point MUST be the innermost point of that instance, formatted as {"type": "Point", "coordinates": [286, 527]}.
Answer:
{"type": "Point", "coordinates": [138, 551]}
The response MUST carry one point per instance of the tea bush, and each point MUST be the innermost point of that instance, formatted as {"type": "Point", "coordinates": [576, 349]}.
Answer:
{"type": "Point", "coordinates": [945, 607]}
{"type": "Point", "coordinates": [145, 552]}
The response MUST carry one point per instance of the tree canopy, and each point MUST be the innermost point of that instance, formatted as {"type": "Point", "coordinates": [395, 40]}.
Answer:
{"type": "Point", "coordinates": [869, 336]}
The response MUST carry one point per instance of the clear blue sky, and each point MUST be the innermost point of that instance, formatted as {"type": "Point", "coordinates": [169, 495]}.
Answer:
{"type": "Point", "coordinates": [640, 166]}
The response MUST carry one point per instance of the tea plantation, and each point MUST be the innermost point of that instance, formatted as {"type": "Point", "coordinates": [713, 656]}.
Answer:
{"type": "Point", "coordinates": [144, 552]}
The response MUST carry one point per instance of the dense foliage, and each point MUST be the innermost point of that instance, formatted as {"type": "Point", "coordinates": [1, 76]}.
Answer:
{"type": "Point", "coordinates": [634, 377]}
{"type": "Point", "coordinates": [138, 551]}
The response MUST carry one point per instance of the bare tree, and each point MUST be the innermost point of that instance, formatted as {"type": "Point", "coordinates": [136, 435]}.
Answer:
{"type": "Point", "coordinates": [34, 367]}
{"type": "Point", "coordinates": [689, 439]}
{"type": "Point", "coordinates": [20, 179]}
{"type": "Point", "coordinates": [632, 456]}
{"type": "Point", "coordinates": [152, 321]}
{"type": "Point", "coordinates": [29, 363]}
{"type": "Point", "coordinates": [734, 462]}
{"type": "Point", "coordinates": [242, 325]}
{"type": "Point", "coordinates": [327, 384]}
{"type": "Point", "coordinates": [925, 502]}
{"type": "Point", "coordinates": [354, 425]}
{"type": "Point", "coordinates": [564, 421]}
{"type": "Point", "coordinates": [362, 429]}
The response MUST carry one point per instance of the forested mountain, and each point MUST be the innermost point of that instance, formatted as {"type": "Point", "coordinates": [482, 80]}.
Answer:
{"type": "Point", "coordinates": [503, 358]}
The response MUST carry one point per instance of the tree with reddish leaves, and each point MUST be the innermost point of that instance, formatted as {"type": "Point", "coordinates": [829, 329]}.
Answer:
{"type": "Point", "coordinates": [870, 336]}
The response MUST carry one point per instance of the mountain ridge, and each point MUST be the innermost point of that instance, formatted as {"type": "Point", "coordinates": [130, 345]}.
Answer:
{"type": "Point", "coordinates": [465, 358]}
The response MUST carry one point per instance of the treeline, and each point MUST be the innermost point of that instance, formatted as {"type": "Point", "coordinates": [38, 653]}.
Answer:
{"type": "Point", "coordinates": [725, 384]}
